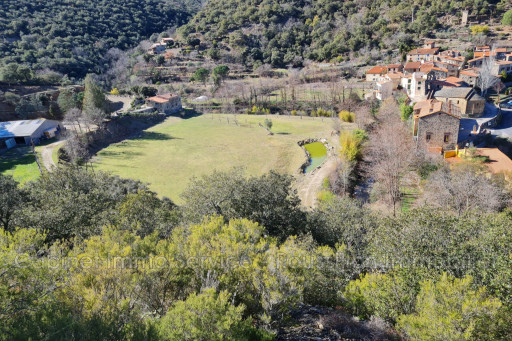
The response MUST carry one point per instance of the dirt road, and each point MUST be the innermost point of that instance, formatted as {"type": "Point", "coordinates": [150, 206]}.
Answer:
{"type": "Point", "coordinates": [310, 184]}
{"type": "Point", "coordinates": [46, 155]}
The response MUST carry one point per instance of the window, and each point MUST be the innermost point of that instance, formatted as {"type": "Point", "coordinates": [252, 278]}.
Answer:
{"type": "Point", "coordinates": [419, 83]}
{"type": "Point", "coordinates": [428, 137]}
{"type": "Point", "coordinates": [447, 137]}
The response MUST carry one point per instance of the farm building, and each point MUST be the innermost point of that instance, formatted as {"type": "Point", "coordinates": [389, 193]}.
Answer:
{"type": "Point", "coordinates": [168, 104]}
{"type": "Point", "coordinates": [25, 132]}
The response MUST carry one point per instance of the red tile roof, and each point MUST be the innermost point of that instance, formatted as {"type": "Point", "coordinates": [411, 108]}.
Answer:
{"type": "Point", "coordinates": [484, 54]}
{"type": "Point", "coordinates": [469, 72]}
{"type": "Point", "coordinates": [376, 70]}
{"type": "Point", "coordinates": [433, 106]}
{"type": "Point", "coordinates": [424, 51]}
{"type": "Point", "coordinates": [475, 59]}
{"type": "Point", "coordinates": [395, 75]}
{"type": "Point", "coordinates": [452, 79]}
{"type": "Point", "coordinates": [412, 65]}
{"type": "Point", "coordinates": [160, 98]}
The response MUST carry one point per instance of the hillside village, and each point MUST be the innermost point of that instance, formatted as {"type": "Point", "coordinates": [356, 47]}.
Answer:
{"type": "Point", "coordinates": [445, 91]}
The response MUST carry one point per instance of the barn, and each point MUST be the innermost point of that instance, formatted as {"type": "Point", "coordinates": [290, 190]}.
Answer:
{"type": "Point", "coordinates": [27, 131]}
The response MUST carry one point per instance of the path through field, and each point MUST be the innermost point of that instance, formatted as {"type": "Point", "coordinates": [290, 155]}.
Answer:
{"type": "Point", "coordinates": [46, 155]}
{"type": "Point", "coordinates": [310, 184]}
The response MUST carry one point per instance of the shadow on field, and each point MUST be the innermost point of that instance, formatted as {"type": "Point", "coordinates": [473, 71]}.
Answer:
{"type": "Point", "coordinates": [123, 154]}
{"type": "Point", "coordinates": [15, 157]}
{"type": "Point", "coordinates": [154, 136]}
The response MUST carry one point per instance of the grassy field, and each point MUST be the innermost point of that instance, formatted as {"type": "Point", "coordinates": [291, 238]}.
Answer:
{"type": "Point", "coordinates": [168, 155]}
{"type": "Point", "coordinates": [20, 164]}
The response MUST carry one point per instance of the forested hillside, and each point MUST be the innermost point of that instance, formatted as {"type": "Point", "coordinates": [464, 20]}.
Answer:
{"type": "Point", "coordinates": [283, 32]}
{"type": "Point", "coordinates": [72, 36]}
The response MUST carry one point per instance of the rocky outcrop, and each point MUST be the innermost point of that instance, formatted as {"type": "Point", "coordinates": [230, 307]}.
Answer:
{"type": "Point", "coordinates": [326, 324]}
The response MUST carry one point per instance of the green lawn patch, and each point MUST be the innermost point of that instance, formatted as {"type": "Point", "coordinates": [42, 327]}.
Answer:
{"type": "Point", "coordinates": [169, 154]}
{"type": "Point", "coordinates": [20, 163]}
{"type": "Point", "coordinates": [410, 194]}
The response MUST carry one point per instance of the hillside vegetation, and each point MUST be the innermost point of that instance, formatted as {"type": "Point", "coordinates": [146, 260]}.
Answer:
{"type": "Point", "coordinates": [284, 32]}
{"type": "Point", "coordinates": [72, 37]}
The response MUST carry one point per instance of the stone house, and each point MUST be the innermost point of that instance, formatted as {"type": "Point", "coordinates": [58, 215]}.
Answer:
{"type": "Point", "coordinates": [426, 54]}
{"type": "Point", "coordinates": [469, 76]}
{"type": "Point", "coordinates": [430, 67]}
{"type": "Point", "coordinates": [452, 69]}
{"type": "Point", "coordinates": [376, 73]}
{"type": "Point", "coordinates": [394, 77]}
{"type": "Point", "coordinates": [466, 98]}
{"type": "Point", "coordinates": [157, 48]}
{"type": "Point", "coordinates": [436, 125]}
{"type": "Point", "coordinates": [168, 104]}
{"type": "Point", "coordinates": [411, 67]}
{"type": "Point", "coordinates": [476, 62]}
{"type": "Point", "coordinates": [395, 67]}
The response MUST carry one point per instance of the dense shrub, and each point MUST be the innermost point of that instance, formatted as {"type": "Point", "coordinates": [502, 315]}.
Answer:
{"type": "Point", "coordinates": [351, 143]}
{"type": "Point", "coordinates": [347, 116]}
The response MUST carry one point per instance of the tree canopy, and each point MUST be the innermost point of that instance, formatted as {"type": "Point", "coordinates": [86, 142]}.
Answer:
{"type": "Point", "coordinates": [73, 38]}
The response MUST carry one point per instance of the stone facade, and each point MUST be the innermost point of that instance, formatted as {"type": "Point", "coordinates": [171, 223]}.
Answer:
{"type": "Point", "coordinates": [168, 104]}
{"type": "Point", "coordinates": [470, 103]}
{"type": "Point", "coordinates": [439, 130]}
{"type": "Point", "coordinates": [436, 125]}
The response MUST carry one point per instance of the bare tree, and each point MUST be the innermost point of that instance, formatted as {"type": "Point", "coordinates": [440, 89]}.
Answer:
{"type": "Point", "coordinates": [342, 179]}
{"type": "Point", "coordinates": [487, 79]}
{"type": "Point", "coordinates": [462, 190]}
{"type": "Point", "coordinates": [74, 117]}
{"type": "Point", "coordinates": [95, 117]}
{"type": "Point", "coordinates": [364, 117]}
{"type": "Point", "coordinates": [389, 153]}
{"type": "Point", "coordinates": [76, 148]}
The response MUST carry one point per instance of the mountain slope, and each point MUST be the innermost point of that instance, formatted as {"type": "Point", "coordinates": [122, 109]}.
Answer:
{"type": "Point", "coordinates": [283, 32]}
{"type": "Point", "coordinates": [72, 36]}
